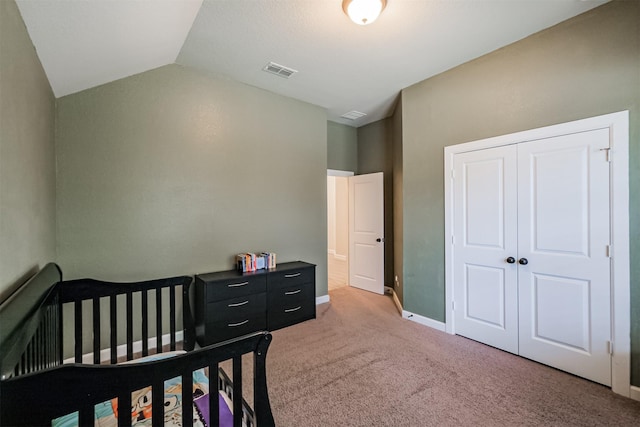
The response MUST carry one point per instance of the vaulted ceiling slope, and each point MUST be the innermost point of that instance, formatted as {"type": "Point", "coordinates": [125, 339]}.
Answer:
{"type": "Point", "coordinates": [340, 66]}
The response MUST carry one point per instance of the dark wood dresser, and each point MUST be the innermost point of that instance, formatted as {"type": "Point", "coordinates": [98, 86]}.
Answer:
{"type": "Point", "coordinates": [230, 304]}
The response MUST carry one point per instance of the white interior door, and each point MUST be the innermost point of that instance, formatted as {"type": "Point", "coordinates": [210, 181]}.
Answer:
{"type": "Point", "coordinates": [531, 251]}
{"type": "Point", "coordinates": [486, 223]}
{"type": "Point", "coordinates": [563, 220]}
{"type": "Point", "coordinates": [366, 232]}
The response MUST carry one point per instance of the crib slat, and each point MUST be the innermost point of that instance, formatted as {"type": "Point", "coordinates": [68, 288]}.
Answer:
{"type": "Point", "coordinates": [124, 415]}
{"type": "Point", "coordinates": [27, 360]}
{"type": "Point", "coordinates": [145, 323]}
{"type": "Point", "coordinates": [86, 416]}
{"type": "Point", "coordinates": [78, 331]}
{"type": "Point", "coordinates": [237, 391]}
{"type": "Point", "coordinates": [187, 398]}
{"type": "Point", "coordinates": [214, 408]}
{"type": "Point", "coordinates": [48, 338]}
{"type": "Point", "coordinates": [37, 348]}
{"type": "Point", "coordinates": [113, 321]}
{"type": "Point", "coordinates": [96, 331]}
{"type": "Point", "coordinates": [157, 403]}
{"type": "Point", "coordinates": [172, 316]}
{"type": "Point", "coordinates": [159, 320]}
{"type": "Point", "coordinates": [59, 323]}
{"type": "Point", "coordinates": [129, 325]}
{"type": "Point", "coordinates": [42, 347]}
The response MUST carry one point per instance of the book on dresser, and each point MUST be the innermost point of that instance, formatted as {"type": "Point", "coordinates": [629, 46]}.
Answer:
{"type": "Point", "coordinates": [230, 303]}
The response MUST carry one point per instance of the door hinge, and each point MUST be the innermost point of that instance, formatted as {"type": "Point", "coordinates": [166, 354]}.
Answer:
{"type": "Point", "coordinates": [607, 153]}
{"type": "Point", "coordinates": [610, 347]}
{"type": "Point", "coordinates": [453, 239]}
{"type": "Point", "coordinates": [609, 251]}
{"type": "Point", "coordinates": [453, 173]}
{"type": "Point", "coordinates": [453, 305]}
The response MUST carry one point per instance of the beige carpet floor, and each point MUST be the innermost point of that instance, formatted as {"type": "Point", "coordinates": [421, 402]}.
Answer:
{"type": "Point", "coordinates": [360, 364]}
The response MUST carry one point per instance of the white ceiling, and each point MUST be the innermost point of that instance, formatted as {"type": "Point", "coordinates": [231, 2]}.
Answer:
{"type": "Point", "coordinates": [341, 66]}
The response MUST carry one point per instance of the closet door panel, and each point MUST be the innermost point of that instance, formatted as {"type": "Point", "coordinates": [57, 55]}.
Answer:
{"type": "Point", "coordinates": [485, 221]}
{"type": "Point", "coordinates": [563, 233]}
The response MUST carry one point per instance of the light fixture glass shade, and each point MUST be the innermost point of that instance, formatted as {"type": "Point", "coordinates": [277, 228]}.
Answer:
{"type": "Point", "coordinates": [363, 12]}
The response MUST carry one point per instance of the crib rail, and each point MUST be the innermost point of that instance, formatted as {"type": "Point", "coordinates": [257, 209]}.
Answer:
{"type": "Point", "coordinates": [30, 327]}
{"type": "Point", "coordinates": [70, 388]}
{"type": "Point", "coordinates": [75, 292]}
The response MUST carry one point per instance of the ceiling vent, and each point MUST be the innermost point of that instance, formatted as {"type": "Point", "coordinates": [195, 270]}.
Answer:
{"type": "Point", "coordinates": [279, 70]}
{"type": "Point", "coordinates": [353, 115]}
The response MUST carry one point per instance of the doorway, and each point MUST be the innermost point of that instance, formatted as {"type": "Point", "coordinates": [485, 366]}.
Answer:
{"type": "Point", "coordinates": [338, 228]}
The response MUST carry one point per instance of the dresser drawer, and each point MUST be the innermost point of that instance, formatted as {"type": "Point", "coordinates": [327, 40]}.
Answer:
{"type": "Point", "coordinates": [219, 289]}
{"type": "Point", "coordinates": [223, 330]}
{"type": "Point", "coordinates": [291, 277]}
{"type": "Point", "coordinates": [291, 305]}
{"type": "Point", "coordinates": [236, 309]}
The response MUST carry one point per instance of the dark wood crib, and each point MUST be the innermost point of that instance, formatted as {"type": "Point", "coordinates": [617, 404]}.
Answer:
{"type": "Point", "coordinates": [139, 323]}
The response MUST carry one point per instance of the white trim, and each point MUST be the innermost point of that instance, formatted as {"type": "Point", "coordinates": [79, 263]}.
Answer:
{"type": "Point", "coordinates": [121, 350]}
{"type": "Point", "coordinates": [423, 320]}
{"type": "Point", "coordinates": [634, 393]}
{"type": "Point", "coordinates": [334, 172]}
{"type": "Point", "coordinates": [332, 252]}
{"type": "Point", "coordinates": [340, 257]}
{"type": "Point", "coordinates": [618, 125]}
{"type": "Point", "coordinates": [396, 300]}
{"type": "Point", "coordinates": [322, 299]}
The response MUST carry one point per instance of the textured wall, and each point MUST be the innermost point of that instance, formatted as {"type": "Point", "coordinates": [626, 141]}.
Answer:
{"type": "Point", "coordinates": [174, 172]}
{"type": "Point", "coordinates": [398, 210]}
{"type": "Point", "coordinates": [583, 67]}
{"type": "Point", "coordinates": [27, 162]}
{"type": "Point", "coordinates": [375, 154]}
{"type": "Point", "coordinates": [342, 147]}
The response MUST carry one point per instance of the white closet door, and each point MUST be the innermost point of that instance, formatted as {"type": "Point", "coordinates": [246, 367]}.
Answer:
{"type": "Point", "coordinates": [563, 220]}
{"type": "Point", "coordinates": [485, 223]}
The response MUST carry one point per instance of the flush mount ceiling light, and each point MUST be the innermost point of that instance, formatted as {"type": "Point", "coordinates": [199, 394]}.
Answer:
{"type": "Point", "coordinates": [363, 12]}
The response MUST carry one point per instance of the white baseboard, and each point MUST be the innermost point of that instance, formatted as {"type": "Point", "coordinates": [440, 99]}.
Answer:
{"type": "Point", "coordinates": [322, 299]}
{"type": "Point", "coordinates": [121, 351]}
{"type": "Point", "coordinates": [336, 255]}
{"type": "Point", "coordinates": [634, 393]}
{"type": "Point", "coordinates": [423, 320]}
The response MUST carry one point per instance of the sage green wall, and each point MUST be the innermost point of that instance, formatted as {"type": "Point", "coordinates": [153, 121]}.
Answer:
{"type": "Point", "coordinates": [27, 162]}
{"type": "Point", "coordinates": [583, 67]}
{"type": "Point", "coordinates": [174, 172]}
{"type": "Point", "coordinates": [398, 241]}
{"type": "Point", "coordinates": [342, 147]}
{"type": "Point", "coordinates": [375, 154]}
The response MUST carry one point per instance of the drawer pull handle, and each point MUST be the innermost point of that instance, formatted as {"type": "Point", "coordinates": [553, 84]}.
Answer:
{"type": "Point", "coordinates": [289, 276]}
{"type": "Point", "coordinates": [238, 304]}
{"type": "Point", "coordinates": [235, 285]}
{"type": "Point", "coordinates": [238, 324]}
{"type": "Point", "coordinates": [289, 310]}
{"type": "Point", "coordinates": [293, 292]}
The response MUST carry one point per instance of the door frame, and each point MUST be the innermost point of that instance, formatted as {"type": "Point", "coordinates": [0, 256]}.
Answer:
{"type": "Point", "coordinates": [618, 125]}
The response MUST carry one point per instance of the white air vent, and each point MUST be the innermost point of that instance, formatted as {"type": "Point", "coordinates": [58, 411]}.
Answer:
{"type": "Point", "coordinates": [279, 70]}
{"type": "Point", "coordinates": [353, 115]}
